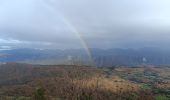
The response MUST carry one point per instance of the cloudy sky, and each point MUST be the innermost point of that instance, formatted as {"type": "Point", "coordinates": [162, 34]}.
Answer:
{"type": "Point", "coordinates": [63, 24]}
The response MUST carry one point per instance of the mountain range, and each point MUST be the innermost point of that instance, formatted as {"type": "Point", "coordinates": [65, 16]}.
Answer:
{"type": "Point", "coordinates": [101, 57]}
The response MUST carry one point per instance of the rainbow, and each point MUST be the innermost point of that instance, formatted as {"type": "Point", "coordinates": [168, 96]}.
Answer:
{"type": "Point", "coordinates": [71, 27]}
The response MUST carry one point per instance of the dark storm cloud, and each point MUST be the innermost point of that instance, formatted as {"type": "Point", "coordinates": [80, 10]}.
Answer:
{"type": "Point", "coordinates": [101, 23]}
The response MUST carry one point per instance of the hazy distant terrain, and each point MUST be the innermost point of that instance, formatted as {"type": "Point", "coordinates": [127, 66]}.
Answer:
{"type": "Point", "coordinates": [101, 57]}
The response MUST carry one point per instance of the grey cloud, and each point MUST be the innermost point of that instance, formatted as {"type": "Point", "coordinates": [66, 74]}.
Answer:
{"type": "Point", "coordinates": [101, 23]}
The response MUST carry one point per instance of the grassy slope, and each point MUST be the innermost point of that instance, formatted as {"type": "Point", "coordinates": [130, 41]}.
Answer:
{"type": "Point", "coordinates": [64, 82]}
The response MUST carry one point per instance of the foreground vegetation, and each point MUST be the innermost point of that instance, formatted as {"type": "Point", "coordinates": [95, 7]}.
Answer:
{"type": "Point", "coordinates": [82, 83]}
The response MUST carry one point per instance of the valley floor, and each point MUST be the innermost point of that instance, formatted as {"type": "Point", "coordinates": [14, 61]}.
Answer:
{"type": "Point", "coordinates": [71, 82]}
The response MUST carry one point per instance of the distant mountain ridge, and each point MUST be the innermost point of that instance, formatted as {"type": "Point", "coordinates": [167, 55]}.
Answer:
{"type": "Point", "coordinates": [101, 57]}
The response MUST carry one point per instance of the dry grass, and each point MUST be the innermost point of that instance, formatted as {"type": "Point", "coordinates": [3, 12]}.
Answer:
{"type": "Point", "coordinates": [113, 84]}
{"type": "Point", "coordinates": [163, 85]}
{"type": "Point", "coordinates": [77, 83]}
{"type": "Point", "coordinates": [163, 72]}
{"type": "Point", "coordinates": [130, 70]}
{"type": "Point", "coordinates": [68, 88]}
